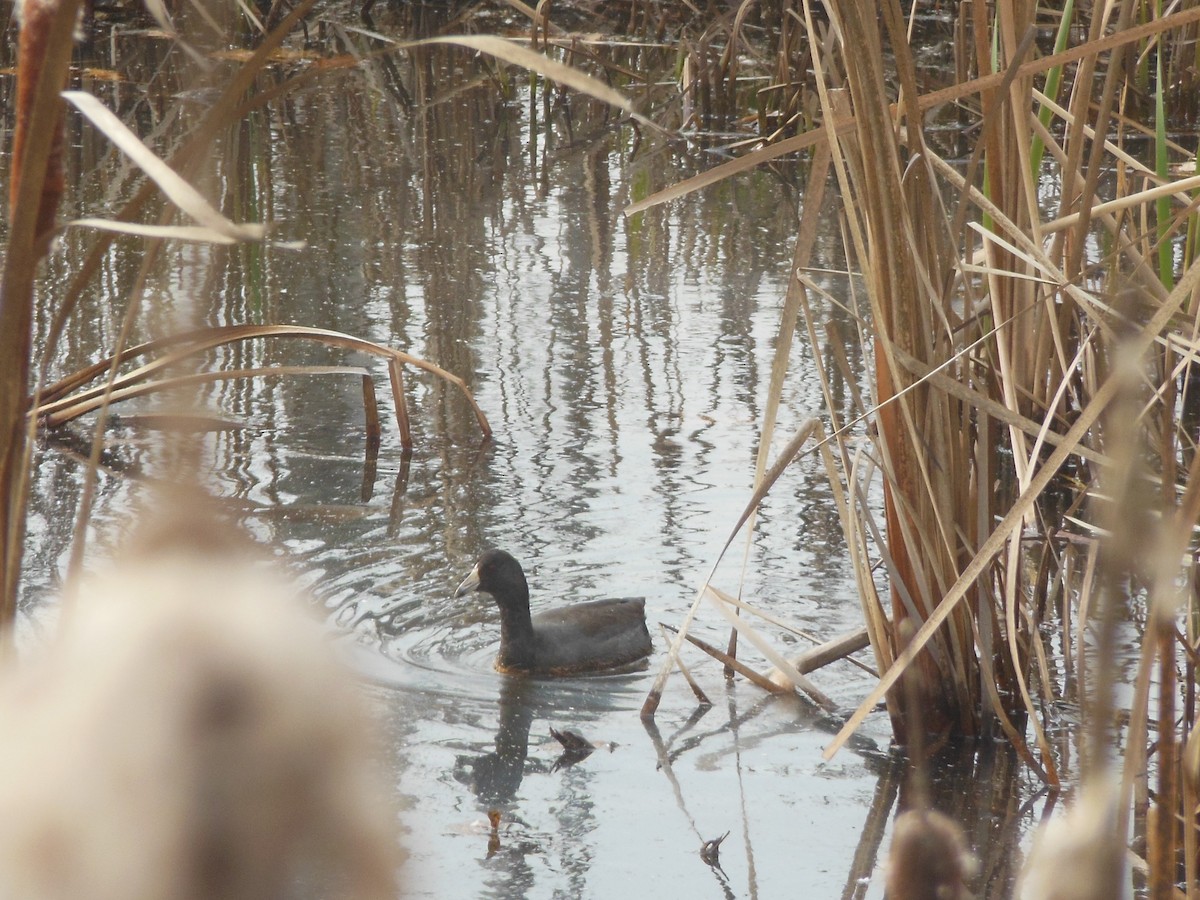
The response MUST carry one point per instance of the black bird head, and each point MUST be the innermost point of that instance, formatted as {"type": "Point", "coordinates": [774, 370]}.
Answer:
{"type": "Point", "coordinates": [500, 575]}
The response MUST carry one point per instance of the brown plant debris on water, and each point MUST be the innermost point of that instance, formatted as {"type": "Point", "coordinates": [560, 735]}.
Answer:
{"type": "Point", "coordinates": [710, 851]}
{"type": "Point", "coordinates": [572, 741]}
{"type": "Point", "coordinates": [576, 748]}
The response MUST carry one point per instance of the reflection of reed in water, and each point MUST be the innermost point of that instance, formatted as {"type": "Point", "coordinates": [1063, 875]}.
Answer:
{"type": "Point", "coordinates": [187, 735]}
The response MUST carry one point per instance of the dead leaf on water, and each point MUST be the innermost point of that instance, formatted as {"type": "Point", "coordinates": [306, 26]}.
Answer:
{"type": "Point", "coordinates": [710, 851]}
{"type": "Point", "coordinates": [572, 740]}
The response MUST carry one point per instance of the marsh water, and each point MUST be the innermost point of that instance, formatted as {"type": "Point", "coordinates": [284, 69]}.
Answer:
{"type": "Point", "coordinates": [471, 219]}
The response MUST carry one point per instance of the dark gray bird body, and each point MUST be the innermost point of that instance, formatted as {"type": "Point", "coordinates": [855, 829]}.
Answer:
{"type": "Point", "coordinates": [595, 636]}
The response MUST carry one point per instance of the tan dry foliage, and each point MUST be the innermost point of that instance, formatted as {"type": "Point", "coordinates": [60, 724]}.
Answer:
{"type": "Point", "coordinates": [188, 735]}
{"type": "Point", "coordinates": [929, 859]}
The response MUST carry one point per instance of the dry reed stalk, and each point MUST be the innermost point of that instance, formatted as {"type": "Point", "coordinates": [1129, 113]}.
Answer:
{"type": "Point", "coordinates": [1041, 375]}
{"type": "Point", "coordinates": [927, 464]}
{"type": "Point", "coordinates": [44, 55]}
{"type": "Point", "coordinates": [697, 691]}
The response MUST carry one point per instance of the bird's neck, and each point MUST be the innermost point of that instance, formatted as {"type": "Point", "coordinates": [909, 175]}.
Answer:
{"type": "Point", "coordinates": [516, 633]}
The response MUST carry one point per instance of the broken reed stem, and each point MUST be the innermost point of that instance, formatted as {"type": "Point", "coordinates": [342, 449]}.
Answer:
{"type": "Point", "coordinates": [371, 411]}
{"type": "Point", "coordinates": [701, 697]}
{"type": "Point", "coordinates": [61, 404]}
{"type": "Point", "coordinates": [737, 665]}
{"type": "Point", "coordinates": [833, 650]}
{"type": "Point", "coordinates": [806, 237]}
{"type": "Point", "coordinates": [396, 376]}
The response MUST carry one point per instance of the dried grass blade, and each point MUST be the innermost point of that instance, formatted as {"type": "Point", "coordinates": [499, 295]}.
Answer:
{"type": "Point", "coordinates": [197, 234]}
{"type": "Point", "coordinates": [1177, 188]}
{"type": "Point", "coordinates": [194, 342]}
{"type": "Point", "coordinates": [701, 697]}
{"type": "Point", "coordinates": [754, 610]}
{"type": "Point", "coordinates": [878, 624]}
{"type": "Point", "coordinates": [793, 300]}
{"type": "Point", "coordinates": [127, 391]}
{"type": "Point", "coordinates": [1116, 152]}
{"type": "Point", "coordinates": [733, 167]}
{"type": "Point", "coordinates": [178, 191]}
{"type": "Point", "coordinates": [654, 695]}
{"type": "Point", "coordinates": [807, 428]}
{"type": "Point", "coordinates": [543, 65]}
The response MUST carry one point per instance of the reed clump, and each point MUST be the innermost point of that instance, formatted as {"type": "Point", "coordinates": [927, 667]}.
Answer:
{"type": "Point", "coordinates": [1033, 394]}
{"type": "Point", "coordinates": [996, 322]}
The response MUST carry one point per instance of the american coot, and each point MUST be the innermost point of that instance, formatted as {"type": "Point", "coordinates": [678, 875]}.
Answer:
{"type": "Point", "coordinates": [583, 637]}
